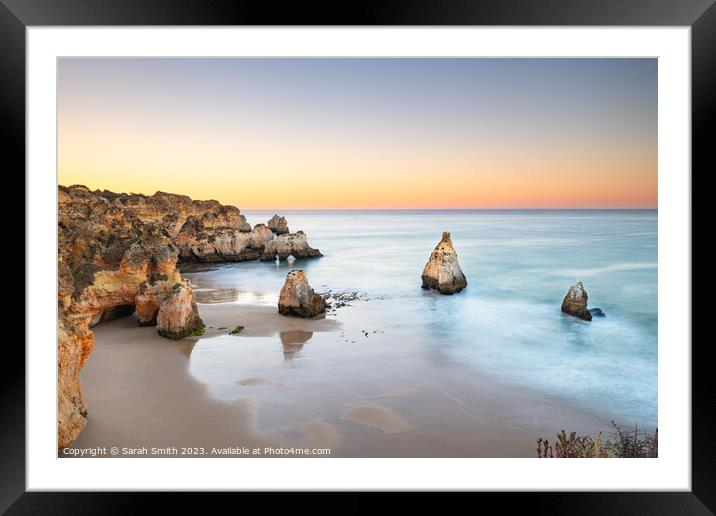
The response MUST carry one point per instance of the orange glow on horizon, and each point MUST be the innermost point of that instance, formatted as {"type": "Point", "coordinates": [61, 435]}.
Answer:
{"type": "Point", "coordinates": [331, 177]}
{"type": "Point", "coordinates": [358, 134]}
{"type": "Point", "coordinates": [350, 191]}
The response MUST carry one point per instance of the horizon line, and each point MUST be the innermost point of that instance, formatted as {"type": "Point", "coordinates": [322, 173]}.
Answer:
{"type": "Point", "coordinates": [202, 198]}
{"type": "Point", "coordinates": [454, 209]}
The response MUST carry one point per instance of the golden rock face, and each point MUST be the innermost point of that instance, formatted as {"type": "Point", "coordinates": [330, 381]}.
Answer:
{"type": "Point", "coordinates": [118, 253]}
{"type": "Point", "coordinates": [75, 343]}
{"type": "Point", "coordinates": [111, 261]}
{"type": "Point", "coordinates": [442, 272]}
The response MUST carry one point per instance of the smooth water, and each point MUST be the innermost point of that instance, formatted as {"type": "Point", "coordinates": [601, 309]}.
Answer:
{"type": "Point", "coordinates": [507, 323]}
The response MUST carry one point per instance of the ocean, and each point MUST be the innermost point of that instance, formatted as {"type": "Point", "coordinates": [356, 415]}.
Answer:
{"type": "Point", "coordinates": [505, 325]}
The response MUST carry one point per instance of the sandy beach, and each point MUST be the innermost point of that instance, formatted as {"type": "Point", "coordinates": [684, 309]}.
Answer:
{"type": "Point", "coordinates": [359, 392]}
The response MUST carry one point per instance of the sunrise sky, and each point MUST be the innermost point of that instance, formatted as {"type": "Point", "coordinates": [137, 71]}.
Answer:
{"type": "Point", "coordinates": [364, 133]}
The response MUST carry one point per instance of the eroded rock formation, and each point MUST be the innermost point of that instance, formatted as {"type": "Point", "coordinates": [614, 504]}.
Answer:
{"type": "Point", "coordinates": [442, 272]}
{"type": "Point", "coordinates": [75, 342]}
{"type": "Point", "coordinates": [260, 235]}
{"type": "Point", "coordinates": [575, 302]}
{"type": "Point", "coordinates": [298, 299]}
{"type": "Point", "coordinates": [93, 288]}
{"type": "Point", "coordinates": [223, 243]}
{"type": "Point", "coordinates": [118, 253]}
{"type": "Point", "coordinates": [278, 225]}
{"type": "Point", "coordinates": [202, 231]}
{"type": "Point", "coordinates": [290, 244]}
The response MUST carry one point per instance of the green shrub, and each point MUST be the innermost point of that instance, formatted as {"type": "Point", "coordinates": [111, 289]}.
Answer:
{"type": "Point", "coordinates": [199, 331]}
{"type": "Point", "coordinates": [572, 447]}
{"type": "Point", "coordinates": [632, 444]}
{"type": "Point", "coordinates": [627, 444]}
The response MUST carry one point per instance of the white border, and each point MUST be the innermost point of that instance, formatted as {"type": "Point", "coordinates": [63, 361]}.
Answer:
{"type": "Point", "coordinates": [670, 471]}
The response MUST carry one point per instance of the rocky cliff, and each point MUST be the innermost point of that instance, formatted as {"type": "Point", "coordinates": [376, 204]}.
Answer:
{"type": "Point", "coordinates": [118, 254]}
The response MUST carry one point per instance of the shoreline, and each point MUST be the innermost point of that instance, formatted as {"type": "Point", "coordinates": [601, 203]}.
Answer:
{"type": "Point", "coordinates": [143, 391]}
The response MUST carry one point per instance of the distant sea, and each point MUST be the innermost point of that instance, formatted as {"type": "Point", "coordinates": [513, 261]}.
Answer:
{"type": "Point", "coordinates": [507, 323]}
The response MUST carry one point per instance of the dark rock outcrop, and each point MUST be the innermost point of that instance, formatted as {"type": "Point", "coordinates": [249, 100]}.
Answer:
{"type": "Point", "coordinates": [597, 312]}
{"type": "Point", "coordinates": [575, 302]}
{"type": "Point", "coordinates": [442, 272]}
{"type": "Point", "coordinates": [298, 299]}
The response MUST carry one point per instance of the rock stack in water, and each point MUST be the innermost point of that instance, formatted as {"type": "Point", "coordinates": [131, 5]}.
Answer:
{"type": "Point", "coordinates": [442, 272]}
{"type": "Point", "coordinates": [575, 302]}
{"type": "Point", "coordinates": [278, 225]}
{"type": "Point", "coordinates": [288, 244]}
{"type": "Point", "coordinates": [298, 299]}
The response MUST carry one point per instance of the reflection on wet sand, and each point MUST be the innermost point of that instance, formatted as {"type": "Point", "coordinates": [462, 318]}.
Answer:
{"type": "Point", "coordinates": [130, 409]}
{"type": "Point", "coordinates": [293, 342]}
{"type": "Point", "coordinates": [234, 295]}
{"type": "Point", "coordinates": [378, 397]}
{"type": "Point", "coordinates": [218, 295]}
{"type": "Point", "coordinates": [208, 291]}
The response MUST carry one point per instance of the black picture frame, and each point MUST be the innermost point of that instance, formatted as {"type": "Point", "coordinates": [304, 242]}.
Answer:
{"type": "Point", "coordinates": [17, 15]}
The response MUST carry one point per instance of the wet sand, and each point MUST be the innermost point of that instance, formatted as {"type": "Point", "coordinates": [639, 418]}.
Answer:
{"type": "Point", "coordinates": [352, 384]}
{"type": "Point", "coordinates": [377, 416]}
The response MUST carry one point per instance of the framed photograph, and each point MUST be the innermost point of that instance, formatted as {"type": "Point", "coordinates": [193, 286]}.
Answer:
{"type": "Point", "coordinates": [427, 248]}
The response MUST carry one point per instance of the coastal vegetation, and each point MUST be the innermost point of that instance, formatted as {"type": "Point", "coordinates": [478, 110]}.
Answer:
{"type": "Point", "coordinates": [199, 331]}
{"type": "Point", "coordinates": [626, 443]}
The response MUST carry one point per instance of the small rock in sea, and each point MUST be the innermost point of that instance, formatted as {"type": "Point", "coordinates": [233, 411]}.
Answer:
{"type": "Point", "coordinates": [597, 312]}
{"type": "Point", "coordinates": [575, 302]}
{"type": "Point", "coordinates": [278, 225]}
{"type": "Point", "coordinates": [442, 272]}
{"type": "Point", "coordinates": [298, 299]}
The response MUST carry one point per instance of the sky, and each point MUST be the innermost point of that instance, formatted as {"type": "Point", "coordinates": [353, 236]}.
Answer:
{"type": "Point", "coordinates": [392, 133]}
